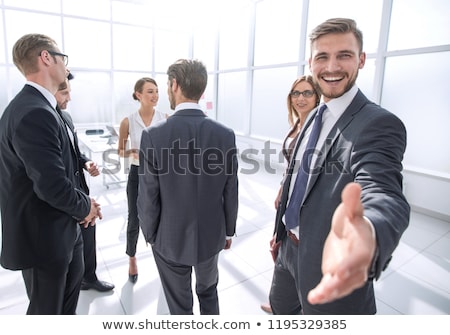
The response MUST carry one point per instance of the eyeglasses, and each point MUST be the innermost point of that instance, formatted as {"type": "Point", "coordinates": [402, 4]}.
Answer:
{"type": "Point", "coordinates": [306, 94]}
{"type": "Point", "coordinates": [64, 57]}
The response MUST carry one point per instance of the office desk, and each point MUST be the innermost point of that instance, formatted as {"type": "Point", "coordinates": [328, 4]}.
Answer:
{"type": "Point", "coordinates": [101, 149]}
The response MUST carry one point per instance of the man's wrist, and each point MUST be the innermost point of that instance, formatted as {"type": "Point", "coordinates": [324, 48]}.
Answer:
{"type": "Point", "coordinates": [372, 273]}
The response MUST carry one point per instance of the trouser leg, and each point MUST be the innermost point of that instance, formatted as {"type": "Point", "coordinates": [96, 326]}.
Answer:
{"type": "Point", "coordinates": [176, 280]}
{"type": "Point", "coordinates": [133, 220]}
{"type": "Point", "coordinates": [283, 295]}
{"type": "Point", "coordinates": [207, 278]}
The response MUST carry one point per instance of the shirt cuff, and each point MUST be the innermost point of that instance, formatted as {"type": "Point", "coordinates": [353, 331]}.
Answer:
{"type": "Point", "coordinates": [373, 265]}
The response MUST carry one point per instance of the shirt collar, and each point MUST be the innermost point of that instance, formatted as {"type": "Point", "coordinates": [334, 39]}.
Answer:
{"type": "Point", "coordinates": [337, 106]}
{"type": "Point", "coordinates": [187, 105]}
{"type": "Point", "coordinates": [46, 93]}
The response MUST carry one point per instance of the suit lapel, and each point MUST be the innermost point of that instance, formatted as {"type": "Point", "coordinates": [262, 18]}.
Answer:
{"type": "Point", "coordinates": [346, 118]}
{"type": "Point", "coordinates": [68, 126]}
{"type": "Point", "coordinates": [68, 121]}
{"type": "Point", "coordinates": [76, 149]}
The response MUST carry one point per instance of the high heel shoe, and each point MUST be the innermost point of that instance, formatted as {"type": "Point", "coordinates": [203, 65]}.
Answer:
{"type": "Point", "coordinates": [132, 271]}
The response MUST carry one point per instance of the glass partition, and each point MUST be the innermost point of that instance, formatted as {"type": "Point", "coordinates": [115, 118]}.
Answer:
{"type": "Point", "coordinates": [419, 98]}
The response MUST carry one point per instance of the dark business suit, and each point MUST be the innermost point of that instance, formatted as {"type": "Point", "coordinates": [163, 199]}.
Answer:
{"type": "Point", "coordinates": [188, 203]}
{"type": "Point", "coordinates": [88, 233]}
{"type": "Point", "coordinates": [366, 145]}
{"type": "Point", "coordinates": [41, 204]}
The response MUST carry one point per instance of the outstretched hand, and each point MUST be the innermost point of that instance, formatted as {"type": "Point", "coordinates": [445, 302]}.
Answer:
{"type": "Point", "coordinates": [348, 250]}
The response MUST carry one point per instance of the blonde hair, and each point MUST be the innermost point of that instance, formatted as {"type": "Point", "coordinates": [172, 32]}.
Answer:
{"type": "Point", "coordinates": [27, 49]}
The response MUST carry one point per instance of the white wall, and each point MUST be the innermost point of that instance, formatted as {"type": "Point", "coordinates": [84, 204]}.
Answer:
{"type": "Point", "coordinates": [427, 193]}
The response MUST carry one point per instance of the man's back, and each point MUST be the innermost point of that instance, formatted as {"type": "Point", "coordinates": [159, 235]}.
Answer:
{"type": "Point", "coordinates": [193, 160]}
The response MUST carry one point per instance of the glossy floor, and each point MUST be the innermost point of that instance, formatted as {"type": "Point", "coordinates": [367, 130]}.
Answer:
{"type": "Point", "coordinates": [416, 282]}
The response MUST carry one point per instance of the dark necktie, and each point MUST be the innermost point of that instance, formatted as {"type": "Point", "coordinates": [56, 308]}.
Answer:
{"type": "Point", "coordinates": [296, 199]}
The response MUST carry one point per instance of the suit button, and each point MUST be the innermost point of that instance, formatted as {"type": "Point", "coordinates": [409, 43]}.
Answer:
{"type": "Point", "coordinates": [77, 173]}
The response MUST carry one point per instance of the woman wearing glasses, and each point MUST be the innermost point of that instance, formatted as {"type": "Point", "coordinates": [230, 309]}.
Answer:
{"type": "Point", "coordinates": [301, 100]}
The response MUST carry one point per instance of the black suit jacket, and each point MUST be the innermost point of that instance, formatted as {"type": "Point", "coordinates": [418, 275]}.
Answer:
{"type": "Point", "coordinates": [366, 145]}
{"type": "Point", "coordinates": [81, 158]}
{"type": "Point", "coordinates": [188, 186]}
{"type": "Point", "coordinates": [41, 203]}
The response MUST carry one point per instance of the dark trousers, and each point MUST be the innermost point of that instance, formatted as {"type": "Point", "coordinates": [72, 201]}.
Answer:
{"type": "Point", "coordinates": [176, 281]}
{"type": "Point", "coordinates": [89, 253]}
{"type": "Point", "coordinates": [54, 288]}
{"type": "Point", "coordinates": [283, 296]}
{"type": "Point", "coordinates": [133, 221]}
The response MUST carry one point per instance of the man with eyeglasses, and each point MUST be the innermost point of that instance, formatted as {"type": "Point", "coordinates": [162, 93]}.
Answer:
{"type": "Point", "coordinates": [65, 58]}
{"type": "Point", "coordinates": [42, 207]}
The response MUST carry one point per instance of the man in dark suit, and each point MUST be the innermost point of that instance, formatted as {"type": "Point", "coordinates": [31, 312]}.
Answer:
{"type": "Point", "coordinates": [188, 192]}
{"type": "Point", "coordinates": [41, 205]}
{"type": "Point", "coordinates": [342, 232]}
{"type": "Point", "coordinates": [90, 280]}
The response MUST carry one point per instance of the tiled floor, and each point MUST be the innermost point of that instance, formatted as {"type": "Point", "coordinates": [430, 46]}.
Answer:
{"type": "Point", "coordinates": [416, 282]}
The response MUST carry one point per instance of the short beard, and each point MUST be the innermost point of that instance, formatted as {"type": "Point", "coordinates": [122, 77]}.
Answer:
{"type": "Point", "coordinates": [347, 88]}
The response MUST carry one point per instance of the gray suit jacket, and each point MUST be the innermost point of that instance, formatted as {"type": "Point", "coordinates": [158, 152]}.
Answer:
{"type": "Point", "coordinates": [366, 146]}
{"type": "Point", "coordinates": [188, 186]}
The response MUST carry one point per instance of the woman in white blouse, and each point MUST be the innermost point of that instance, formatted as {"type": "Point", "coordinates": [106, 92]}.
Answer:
{"type": "Point", "coordinates": [146, 92]}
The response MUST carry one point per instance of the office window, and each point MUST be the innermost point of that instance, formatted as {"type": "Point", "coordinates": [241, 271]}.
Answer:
{"type": "Point", "coordinates": [277, 38]}
{"type": "Point", "coordinates": [17, 80]}
{"type": "Point", "coordinates": [205, 46]}
{"type": "Point", "coordinates": [41, 5]}
{"type": "Point", "coordinates": [233, 102]}
{"type": "Point", "coordinates": [88, 43]}
{"type": "Point", "coordinates": [207, 102]}
{"type": "Point", "coordinates": [133, 13]}
{"type": "Point", "coordinates": [171, 46]}
{"type": "Point", "coordinates": [91, 98]}
{"type": "Point", "coordinates": [12, 81]}
{"type": "Point", "coordinates": [269, 110]}
{"type": "Point", "coordinates": [366, 79]}
{"type": "Point", "coordinates": [416, 89]}
{"type": "Point", "coordinates": [415, 24]}
{"type": "Point", "coordinates": [234, 40]}
{"type": "Point", "coordinates": [177, 14]}
{"type": "Point", "coordinates": [124, 104]}
{"type": "Point", "coordinates": [98, 9]}
{"type": "Point", "coordinates": [3, 92]}
{"type": "Point", "coordinates": [48, 24]}
{"type": "Point", "coordinates": [132, 48]}
{"type": "Point", "coordinates": [2, 45]}
{"type": "Point", "coordinates": [367, 15]}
